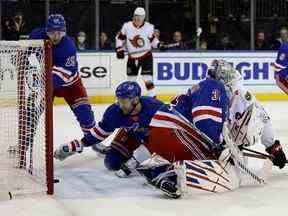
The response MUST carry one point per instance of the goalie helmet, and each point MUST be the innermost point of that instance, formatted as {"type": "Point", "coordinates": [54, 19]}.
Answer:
{"type": "Point", "coordinates": [56, 22]}
{"type": "Point", "coordinates": [128, 89]}
{"type": "Point", "coordinates": [223, 71]}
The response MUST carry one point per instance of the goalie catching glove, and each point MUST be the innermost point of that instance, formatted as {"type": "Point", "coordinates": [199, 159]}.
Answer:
{"type": "Point", "coordinates": [278, 156]}
{"type": "Point", "coordinates": [67, 149]}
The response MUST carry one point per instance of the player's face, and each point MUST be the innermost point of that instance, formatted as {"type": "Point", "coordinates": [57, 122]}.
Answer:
{"type": "Point", "coordinates": [126, 105]}
{"type": "Point", "coordinates": [138, 20]}
{"type": "Point", "coordinates": [55, 36]}
{"type": "Point", "coordinates": [284, 34]}
{"type": "Point", "coordinates": [177, 37]}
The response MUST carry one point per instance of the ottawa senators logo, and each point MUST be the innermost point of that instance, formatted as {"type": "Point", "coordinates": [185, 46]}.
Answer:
{"type": "Point", "coordinates": [137, 41]}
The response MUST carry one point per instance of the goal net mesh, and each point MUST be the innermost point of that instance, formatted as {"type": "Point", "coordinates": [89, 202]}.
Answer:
{"type": "Point", "coordinates": [24, 156]}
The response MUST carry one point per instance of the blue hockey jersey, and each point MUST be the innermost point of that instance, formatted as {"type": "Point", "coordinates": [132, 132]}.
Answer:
{"type": "Point", "coordinates": [281, 63]}
{"type": "Point", "coordinates": [206, 105]}
{"type": "Point", "coordinates": [136, 125]}
{"type": "Point", "coordinates": [65, 65]}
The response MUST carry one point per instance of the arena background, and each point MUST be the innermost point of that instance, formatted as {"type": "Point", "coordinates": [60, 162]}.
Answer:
{"type": "Point", "coordinates": [230, 31]}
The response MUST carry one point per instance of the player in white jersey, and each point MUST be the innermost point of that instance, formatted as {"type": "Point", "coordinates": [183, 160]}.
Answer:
{"type": "Point", "coordinates": [139, 39]}
{"type": "Point", "coordinates": [260, 125]}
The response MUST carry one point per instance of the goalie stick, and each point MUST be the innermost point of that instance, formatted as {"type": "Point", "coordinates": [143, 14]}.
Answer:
{"type": "Point", "coordinates": [259, 154]}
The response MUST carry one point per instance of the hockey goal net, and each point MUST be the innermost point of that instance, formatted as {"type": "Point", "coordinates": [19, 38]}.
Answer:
{"type": "Point", "coordinates": [26, 144]}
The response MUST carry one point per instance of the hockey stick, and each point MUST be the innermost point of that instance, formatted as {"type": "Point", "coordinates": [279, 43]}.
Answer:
{"type": "Point", "coordinates": [260, 154]}
{"type": "Point", "coordinates": [251, 155]}
{"type": "Point", "coordinates": [196, 36]}
{"type": "Point", "coordinates": [236, 155]}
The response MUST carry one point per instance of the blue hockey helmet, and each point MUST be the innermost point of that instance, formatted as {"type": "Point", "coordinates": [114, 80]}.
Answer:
{"type": "Point", "coordinates": [128, 89]}
{"type": "Point", "coordinates": [56, 22]}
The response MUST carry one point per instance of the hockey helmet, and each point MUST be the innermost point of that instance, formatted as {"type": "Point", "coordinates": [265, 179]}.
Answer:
{"type": "Point", "coordinates": [128, 89]}
{"type": "Point", "coordinates": [56, 22]}
{"type": "Point", "coordinates": [139, 11]}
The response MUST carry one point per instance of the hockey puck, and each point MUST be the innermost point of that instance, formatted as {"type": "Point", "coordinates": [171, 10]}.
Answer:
{"type": "Point", "coordinates": [10, 195]}
{"type": "Point", "coordinates": [56, 180]}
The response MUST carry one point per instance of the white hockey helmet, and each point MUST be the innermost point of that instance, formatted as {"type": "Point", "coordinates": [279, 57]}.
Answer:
{"type": "Point", "coordinates": [139, 11]}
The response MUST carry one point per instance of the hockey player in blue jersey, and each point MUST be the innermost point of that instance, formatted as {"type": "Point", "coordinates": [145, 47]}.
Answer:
{"type": "Point", "coordinates": [131, 113]}
{"type": "Point", "coordinates": [281, 68]}
{"type": "Point", "coordinates": [66, 78]}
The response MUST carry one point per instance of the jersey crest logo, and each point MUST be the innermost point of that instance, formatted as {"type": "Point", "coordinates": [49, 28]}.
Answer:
{"type": "Point", "coordinates": [70, 61]}
{"type": "Point", "coordinates": [134, 127]}
{"type": "Point", "coordinates": [215, 95]}
{"type": "Point", "coordinates": [137, 42]}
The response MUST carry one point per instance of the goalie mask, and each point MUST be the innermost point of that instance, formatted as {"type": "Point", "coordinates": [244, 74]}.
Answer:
{"type": "Point", "coordinates": [223, 71]}
{"type": "Point", "coordinates": [128, 95]}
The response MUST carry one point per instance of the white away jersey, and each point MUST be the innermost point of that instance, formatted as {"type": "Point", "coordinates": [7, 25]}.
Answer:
{"type": "Point", "coordinates": [139, 41]}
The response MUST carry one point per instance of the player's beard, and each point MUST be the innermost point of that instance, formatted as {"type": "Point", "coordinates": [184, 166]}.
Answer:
{"type": "Point", "coordinates": [127, 105]}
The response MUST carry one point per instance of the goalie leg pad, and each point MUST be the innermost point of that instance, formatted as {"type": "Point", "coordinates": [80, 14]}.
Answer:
{"type": "Point", "coordinates": [206, 176]}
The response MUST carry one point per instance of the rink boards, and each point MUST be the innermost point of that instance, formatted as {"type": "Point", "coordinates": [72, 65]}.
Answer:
{"type": "Point", "coordinates": [174, 72]}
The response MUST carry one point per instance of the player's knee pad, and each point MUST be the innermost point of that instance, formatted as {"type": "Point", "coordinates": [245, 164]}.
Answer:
{"type": "Point", "coordinates": [114, 160]}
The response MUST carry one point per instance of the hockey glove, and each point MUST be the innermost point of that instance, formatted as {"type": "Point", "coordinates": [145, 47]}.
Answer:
{"type": "Point", "coordinates": [120, 53]}
{"type": "Point", "coordinates": [278, 156]}
{"type": "Point", "coordinates": [67, 149]}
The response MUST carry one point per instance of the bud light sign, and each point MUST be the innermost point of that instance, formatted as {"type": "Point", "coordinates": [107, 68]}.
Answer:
{"type": "Point", "coordinates": [190, 68]}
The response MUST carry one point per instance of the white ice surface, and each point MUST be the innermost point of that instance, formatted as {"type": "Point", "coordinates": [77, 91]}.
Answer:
{"type": "Point", "coordinates": [86, 188]}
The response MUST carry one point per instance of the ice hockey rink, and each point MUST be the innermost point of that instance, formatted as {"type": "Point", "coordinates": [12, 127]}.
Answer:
{"type": "Point", "coordinates": [86, 188]}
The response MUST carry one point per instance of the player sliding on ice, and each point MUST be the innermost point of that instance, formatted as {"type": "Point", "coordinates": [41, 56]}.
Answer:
{"type": "Point", "coordinates": [139, 39]}
{"type": "Point", "coordinates": [132, 113]}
